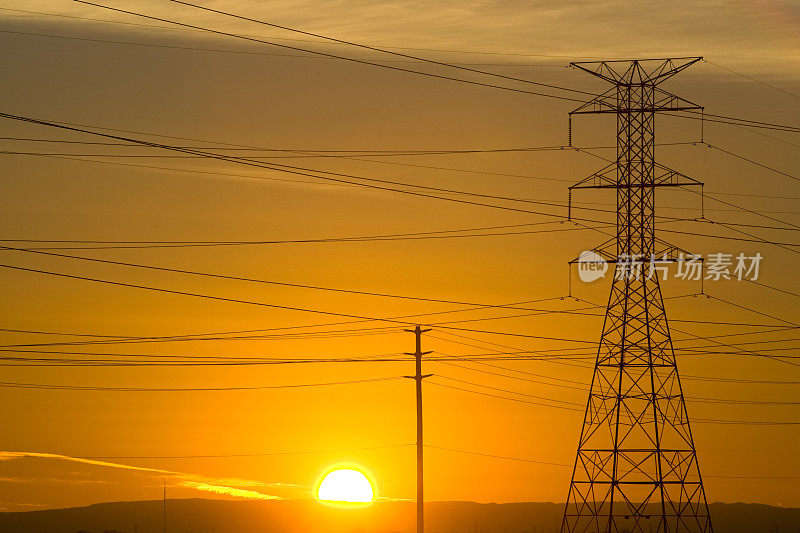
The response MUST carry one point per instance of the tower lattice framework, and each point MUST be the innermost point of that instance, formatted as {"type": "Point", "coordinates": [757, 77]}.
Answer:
{"type": "Point", "coordinates": [636, 468]}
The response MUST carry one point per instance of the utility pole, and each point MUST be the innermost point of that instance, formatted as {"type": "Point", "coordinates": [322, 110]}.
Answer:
{"type": "Point", "coordinates": [164, 516]}
{"type": "Point", "coordinates": [636, 458]}
{"type": "Point", "coordinates": [418, 377]}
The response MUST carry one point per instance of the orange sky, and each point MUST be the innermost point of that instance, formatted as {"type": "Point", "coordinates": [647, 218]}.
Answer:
{"type": "Point", "coordinates": [316, 104]}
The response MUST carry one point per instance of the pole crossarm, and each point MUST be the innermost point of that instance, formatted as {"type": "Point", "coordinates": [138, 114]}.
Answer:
{"type": "Point", "coordinates": [636, 71]}
{"type": "Point", "coordinates": [665, 252]}
{"type": "Point", "coordinates": [662, 101]}
{"type": "Point", "coordinates": [606, 178]}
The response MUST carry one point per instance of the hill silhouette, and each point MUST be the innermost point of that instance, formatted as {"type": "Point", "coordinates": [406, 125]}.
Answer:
{"type": "Point", "coordinates": [296, 516]}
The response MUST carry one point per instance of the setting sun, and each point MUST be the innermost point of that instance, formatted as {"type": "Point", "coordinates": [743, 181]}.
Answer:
{"type": "Point", "coordinates": [345, 485]}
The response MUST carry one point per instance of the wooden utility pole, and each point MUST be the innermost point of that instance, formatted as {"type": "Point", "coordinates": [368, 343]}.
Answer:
{"type": "Point", "coordinates": [418, 377]}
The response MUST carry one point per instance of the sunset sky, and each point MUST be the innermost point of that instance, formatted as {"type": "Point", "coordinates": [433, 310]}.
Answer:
{"type": "Point", "coordinates": [500, 433]}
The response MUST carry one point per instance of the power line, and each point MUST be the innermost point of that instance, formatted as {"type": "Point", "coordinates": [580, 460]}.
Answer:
{"type": "Point", "coordinates": [728, 238]}
{"type": "Point", "coordinates": [778, 289]}
{"type": "Point", "coordinates": [307, 153]}
{"type": "Point", "coordinates": [741, 343]}
{"type": "Point", "coordinates": [482, 454]}
{"type": "Point", "coordinates": [506, 390]}
{"type": "Point", "coordinates": [274, 306]}
{"type": "Point", "coordinates": [762, 134]}
{"type": "Point", "coordinates": [754, 238]}
{"type": "Point", "coordinates": [297, 40]}
{"type": "Point", "coordinates": [183, 148]}
{"type": "Point", "coordinates": [134, 362]}
{"type": "Point", "coordinates": [751, 78]}
{"type": "Point", "coordinates": [231, 146]}
{"type": "Point", "coordinates": [285, 241]}
{"type": "Point", "coordinates": [517, 354]}
{"type": "Point", "coordinates": [187, 170]}
{"type": "Point", "coordinates": [771, 196]}
{"type": "Point", "coordinates": [745, 209]}
{"type": "Point", "coordinates": [589, 353]}
{"type": "Point", "coordinates": [752, 161]}
{"type": "Point", "coordinates": [240, 278]}
{"type": "Point", "coordinates": [326, 54]}
{"type": "Point", "coordinates": [82, 158]}
{"type": "Point", "coordinates": [752, 310]}
{"type": "Point", "coordinates": [551, 350]}
{"type": "Point", "coordinates": [719, 379]}
{"type": "Point", "coordinates": [426, 235]}
{"type": "Point", "coordinates": [701, 420]}
{"type": "Point", "coordinates": [712, 210]}
{"type": "Point", "coordinates": [240, 147]}
{"type": "Point", "coordinates": [519, 378]}
{"type": "Point", "coordinates": [333, 289]}
{"type": "Point", "coordinates": [207, 155]}
{"type": "Point", "coordinates": [213, 336]}
{"type": "Point", "coordinates": [124, 340]}
{"type": "Point", "coordinates": [744, 351]}
{"type": "Point", "coordinates": [731, 401]}
{"type": "Point", "coordinates": [524, 460]}
{"type": "Point", "coordinates": [697, 399]}
{"type": "Point", "coordinates": [731, 225]}
{"type": "Point", "coordinates": [389, 357]}
{"type": "Point", "coordinates": [762, 239]}
{"type": "Point", "coordinates": [709, 117]}
{"type": "Point", "coordinates": [797, 129]}
{"type": "Point", "coordinates": [223, 298]}
{"type": "Point", "coordinates": [185, 293]}
{"type": "Point", "coordinates": [735, 121]}
{"type": "Point", "coordinates": [327, 175]}
{"type": "Point", "coordinates": [519, 400]}
{"type": "Point", "coordinates": [573, 364]}
{"type": "Point", "coordinates": [114, 339]}
{"type": "Point", "coordinates": [243, 52]}
{"type": "Point", "coordinates": [689, 377]}
{"type": "Point", "coordinates": [301, 334]}
{"type": "Point", "coordinates": [304, 286]}
{"type": "Point", "coordinates": [231, 455]}
{"type": "Point", "coordinates": [692, 336]}
{"type": "Point", "coordinates": [45, 386]}
{"type": "Point", "coordinates": [287, 180]}
{"type": "Point", "coordinates": [376, 49]}
{"type": "Point", "coordinates": [105, 261]}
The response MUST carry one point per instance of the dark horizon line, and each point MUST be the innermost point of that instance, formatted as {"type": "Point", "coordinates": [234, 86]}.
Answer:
{"type": "Point", "coordinates": [408, 501]}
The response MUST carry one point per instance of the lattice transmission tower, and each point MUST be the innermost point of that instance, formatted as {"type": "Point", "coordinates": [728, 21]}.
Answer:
{"type": "Point", "coordinates": [636, 468]}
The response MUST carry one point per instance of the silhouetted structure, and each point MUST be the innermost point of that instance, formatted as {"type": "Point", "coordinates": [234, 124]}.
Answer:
{"type": "Point", "coordinates": [418, 377]}
{"type": "Point", "coordinates": [636, 469]}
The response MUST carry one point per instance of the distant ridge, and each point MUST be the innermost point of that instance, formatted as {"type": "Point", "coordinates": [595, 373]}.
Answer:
{"type": "Point", "coordinates": [224, 516]}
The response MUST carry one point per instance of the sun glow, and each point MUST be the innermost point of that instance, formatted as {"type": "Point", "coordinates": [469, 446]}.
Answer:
{"type": "Point", "coordinates": [345, 486]}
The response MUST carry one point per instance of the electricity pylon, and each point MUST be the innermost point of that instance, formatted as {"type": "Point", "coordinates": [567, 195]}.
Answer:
{"type": "Point", "coordinates": [636, 468]}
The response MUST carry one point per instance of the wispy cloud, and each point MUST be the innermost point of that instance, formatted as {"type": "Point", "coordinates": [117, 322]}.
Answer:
{"type": "Point", "coordinates": [756, 30]}
{"type": "Point", "coordinates": [8, 506]}
{"type": "Point", "coordinates": [389, 499]}
{"type": "Point", "coordinates": [226, 486]}
{"type": "Point", "coordinates": [20, 479]}
{"type": "Point", "coordinates": [41, 455]}
{"type": "Point", "coordinates": [230, 491]}
{"type": "Point", "coordinates": [239, 482]}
